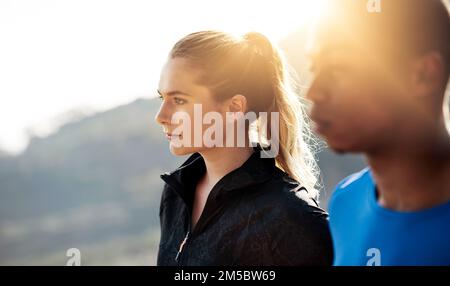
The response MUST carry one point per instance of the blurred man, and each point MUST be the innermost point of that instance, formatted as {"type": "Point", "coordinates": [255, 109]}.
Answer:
{"type": "Point", "coordinates": [379, 84]}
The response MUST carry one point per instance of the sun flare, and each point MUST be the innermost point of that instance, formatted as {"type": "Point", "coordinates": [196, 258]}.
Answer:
{"type": "Point", "coordinates": [276, 19]}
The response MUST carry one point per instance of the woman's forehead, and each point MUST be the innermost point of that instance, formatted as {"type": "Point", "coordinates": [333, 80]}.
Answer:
{"type": "Point", "coordinates": [178, 71]}
{"type": "Point", "coordinates": [179, 75]}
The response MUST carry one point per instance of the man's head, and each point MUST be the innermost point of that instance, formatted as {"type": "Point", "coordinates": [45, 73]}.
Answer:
{"type": "Point", "coordinates": [380, 78]}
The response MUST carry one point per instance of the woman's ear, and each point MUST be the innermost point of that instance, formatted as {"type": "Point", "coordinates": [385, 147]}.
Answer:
{"type": "Point", "coordinates": [238, 103]}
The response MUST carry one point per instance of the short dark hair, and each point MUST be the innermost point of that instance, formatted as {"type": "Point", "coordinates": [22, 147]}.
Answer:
{"type": "Point", "coordinates": [402, 27]}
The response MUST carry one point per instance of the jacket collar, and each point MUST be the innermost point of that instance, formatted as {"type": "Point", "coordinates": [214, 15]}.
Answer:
{"type": "Point", "coordinates": [254, 171]}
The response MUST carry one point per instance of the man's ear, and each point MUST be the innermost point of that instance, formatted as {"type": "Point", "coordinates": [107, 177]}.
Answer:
{"type": "Point", "coordinates": [427, 77]}
{"type": "Point", "coordinates": [237, 103]}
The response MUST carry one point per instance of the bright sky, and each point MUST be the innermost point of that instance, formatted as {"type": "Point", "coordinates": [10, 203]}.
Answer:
{"type": "Point", "coordinates": [61, 55]}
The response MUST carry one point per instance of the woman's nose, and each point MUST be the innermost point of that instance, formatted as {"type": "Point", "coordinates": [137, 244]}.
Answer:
{"type": "Point", "coordinates": [163, 116]}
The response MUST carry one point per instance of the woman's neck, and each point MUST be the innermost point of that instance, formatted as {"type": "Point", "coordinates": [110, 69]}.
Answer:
{"type": "Point", "coordinates": [221, 161]}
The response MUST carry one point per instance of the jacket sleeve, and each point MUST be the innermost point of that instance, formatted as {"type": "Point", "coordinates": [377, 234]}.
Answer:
{"type": "Point", "coordinates": [299, 235]}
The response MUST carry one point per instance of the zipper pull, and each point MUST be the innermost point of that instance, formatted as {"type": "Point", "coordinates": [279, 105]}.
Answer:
{"type": "Point", "coordinates": [182, 246]}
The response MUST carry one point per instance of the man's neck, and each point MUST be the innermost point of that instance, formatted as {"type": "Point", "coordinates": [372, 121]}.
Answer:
{"type": "Point", "coordinates": [412, 180]}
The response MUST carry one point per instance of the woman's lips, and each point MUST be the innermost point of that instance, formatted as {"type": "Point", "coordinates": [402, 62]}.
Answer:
{"type": "Point", "coordinates": [170, 136]}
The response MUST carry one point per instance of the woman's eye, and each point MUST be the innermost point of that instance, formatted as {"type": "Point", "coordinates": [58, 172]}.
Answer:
{"type": "Point", "coordinates": [179, 101]}
{"type": "Point", "coordinates": [160, 97]}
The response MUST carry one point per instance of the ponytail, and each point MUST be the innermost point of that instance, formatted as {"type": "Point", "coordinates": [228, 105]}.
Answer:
{"type": "Point", "coordinates": [295, 156]}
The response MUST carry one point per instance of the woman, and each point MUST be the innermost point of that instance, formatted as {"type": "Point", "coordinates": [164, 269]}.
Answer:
{"type": "Point", "coordinates": [232, 205]}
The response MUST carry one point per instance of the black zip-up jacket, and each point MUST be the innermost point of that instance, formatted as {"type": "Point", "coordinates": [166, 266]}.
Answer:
{"type": "Point", "coordinates": [254, 216]}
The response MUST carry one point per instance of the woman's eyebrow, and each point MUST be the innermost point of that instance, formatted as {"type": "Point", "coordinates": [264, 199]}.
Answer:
{"type": "Point", "coordinates": [171, 93]}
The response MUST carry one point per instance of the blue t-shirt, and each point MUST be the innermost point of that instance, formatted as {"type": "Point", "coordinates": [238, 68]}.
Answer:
{"type": "Point", "coordinates": [364, 233]}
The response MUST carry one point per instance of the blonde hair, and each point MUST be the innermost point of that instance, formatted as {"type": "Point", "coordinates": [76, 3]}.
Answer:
{"type": "Point", "coordinates": [252, 66]}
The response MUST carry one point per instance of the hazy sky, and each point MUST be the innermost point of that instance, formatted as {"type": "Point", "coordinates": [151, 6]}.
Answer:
{"type": "Point", "coordinates": [60, 55]}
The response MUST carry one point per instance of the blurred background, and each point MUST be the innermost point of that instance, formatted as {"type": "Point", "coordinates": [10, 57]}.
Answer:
{"type": "Point", "coordinates": [80, 153]}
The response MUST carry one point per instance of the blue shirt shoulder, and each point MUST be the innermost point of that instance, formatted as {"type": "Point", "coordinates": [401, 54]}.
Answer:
{"type": "Point", "coordinates": [365, 233]}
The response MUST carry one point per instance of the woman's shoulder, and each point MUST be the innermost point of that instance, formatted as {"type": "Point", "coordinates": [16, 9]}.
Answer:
{"type": "Point", "coordinates": [294, 223]}
{"type": "Point", "coordinates": [285, 196]}
{"type": "Point", "coordinates": [285, 189]}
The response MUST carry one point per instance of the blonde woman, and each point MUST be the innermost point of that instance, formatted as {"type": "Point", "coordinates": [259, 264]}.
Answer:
{"type": "Point", "coordinates": [233, 204]}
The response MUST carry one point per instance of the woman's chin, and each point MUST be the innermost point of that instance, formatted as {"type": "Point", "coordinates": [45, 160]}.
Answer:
{"type": "Point", "coordinates": [177, 151]}
{"type": "Point", "coordinates": [181, 151]}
